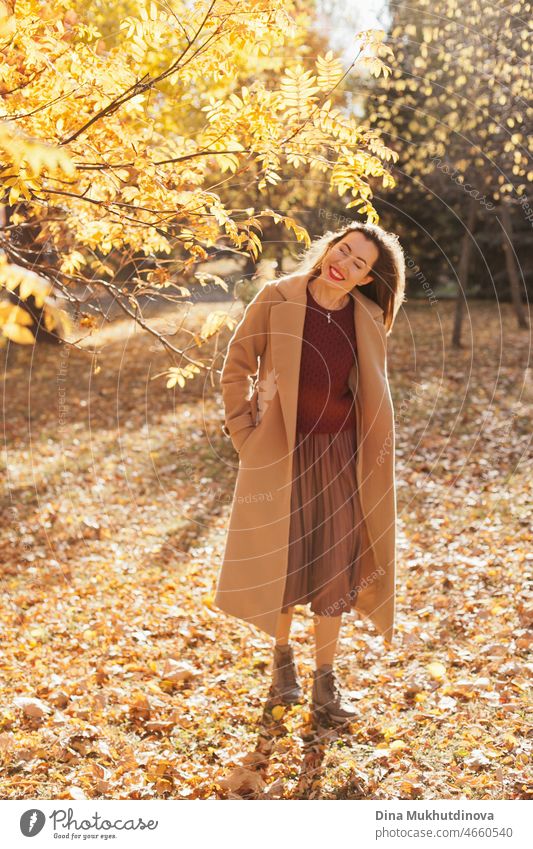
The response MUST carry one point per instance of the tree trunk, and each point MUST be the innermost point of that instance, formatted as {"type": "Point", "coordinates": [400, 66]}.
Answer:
{"type": "Point", "coordinates": [279, 256]}
{"type": "Point", "coordinates": [250, 267]}
{"type": "Point", "coordinates": [24, 239]}
{"type": "Point", "coordinates": [462, 272]}
{"type": "Point", "coordinates": [510, 262]}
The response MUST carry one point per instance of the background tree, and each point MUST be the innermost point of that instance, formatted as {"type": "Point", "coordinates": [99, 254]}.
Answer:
{"type": "Point", "coordinates": [455, 109]}
{"type": "Point", "coordinates": [122, 144]}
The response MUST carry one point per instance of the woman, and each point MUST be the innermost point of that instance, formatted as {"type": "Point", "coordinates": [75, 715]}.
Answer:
{"type": "Point", "coordinates": [313, 518]}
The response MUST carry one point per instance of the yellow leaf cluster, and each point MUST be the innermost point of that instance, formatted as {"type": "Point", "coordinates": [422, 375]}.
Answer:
{"type": "Point", "coordinates": [15, 321]}
{"type": "Point", "coordinates": [119, 127]}
{"type": "Point", "coordinates": [181, 374]}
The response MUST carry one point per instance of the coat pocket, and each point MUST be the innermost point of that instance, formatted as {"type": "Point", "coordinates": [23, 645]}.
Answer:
{"type": "Point", "coordinates": [254, 404]}
{"type": "Point", "coordinates": [241, 438]}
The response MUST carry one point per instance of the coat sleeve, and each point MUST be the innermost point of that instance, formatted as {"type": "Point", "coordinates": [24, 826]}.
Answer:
{"type": "Point", "coordinates": [241, 363]}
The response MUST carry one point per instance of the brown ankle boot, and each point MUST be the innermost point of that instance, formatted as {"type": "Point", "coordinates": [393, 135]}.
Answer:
{"type": "Point", "coordinates": [285, 685]}
{"type": "Point", "coordinates": [329, 705]}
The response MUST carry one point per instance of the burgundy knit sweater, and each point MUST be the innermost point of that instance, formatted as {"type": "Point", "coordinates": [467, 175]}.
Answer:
{"type": "Point", "coordinates": [325, 401]}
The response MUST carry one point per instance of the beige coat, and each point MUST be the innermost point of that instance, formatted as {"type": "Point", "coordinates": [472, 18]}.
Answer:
{"type": "Point", "coordinates": [262, 427]}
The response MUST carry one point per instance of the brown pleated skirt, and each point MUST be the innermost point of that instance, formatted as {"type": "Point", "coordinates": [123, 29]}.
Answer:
{"type": "Point", "coordinates": [325, 524]}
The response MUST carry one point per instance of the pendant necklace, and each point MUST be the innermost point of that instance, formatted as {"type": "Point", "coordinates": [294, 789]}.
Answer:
{"type": "Point", "coordinates": [328, 311]}
{"type": "Point", "coordinates": [337, 310]}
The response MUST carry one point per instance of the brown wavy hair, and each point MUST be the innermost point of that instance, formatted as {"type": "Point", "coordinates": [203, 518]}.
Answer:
{"type": "Point", "coordinates": [387, 288]}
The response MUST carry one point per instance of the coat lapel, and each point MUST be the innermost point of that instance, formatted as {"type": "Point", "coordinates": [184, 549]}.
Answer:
{"type": "Point", "coordinates": [286, 330]}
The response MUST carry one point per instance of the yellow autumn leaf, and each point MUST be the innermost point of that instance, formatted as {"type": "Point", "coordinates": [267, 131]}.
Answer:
{"type": "Point", "coordinates": [213, 323]}
{"type": "Point", "coordinates": [18, 334]}
{"type": "Point", "coordinates": [277, 712]}
{"type": "Point", "coordinates": [14, 314]}
{"type": "Point", "coordinates": [436, 670]}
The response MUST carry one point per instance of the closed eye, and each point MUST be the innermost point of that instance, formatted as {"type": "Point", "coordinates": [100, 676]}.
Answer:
{"type": "Point", "coordinates": [346, 254]}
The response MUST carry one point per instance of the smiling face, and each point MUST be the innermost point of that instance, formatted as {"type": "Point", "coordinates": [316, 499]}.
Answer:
{"type": "Point", "coordinates": [349, 262]}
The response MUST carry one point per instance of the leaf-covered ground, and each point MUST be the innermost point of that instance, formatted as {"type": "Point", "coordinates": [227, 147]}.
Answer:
{"type": "Point", "coordinates": [120, 678]}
